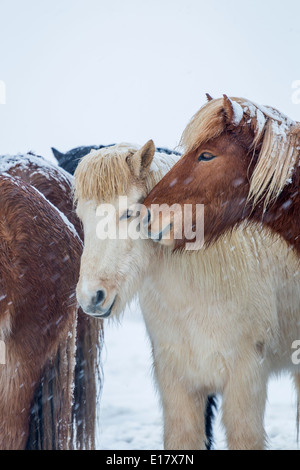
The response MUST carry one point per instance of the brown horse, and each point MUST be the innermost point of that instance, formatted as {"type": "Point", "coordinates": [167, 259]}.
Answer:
{"type": "Point", "coordinates": [48, 405]}
{"type": "Point", "coordinates": [241, 162]}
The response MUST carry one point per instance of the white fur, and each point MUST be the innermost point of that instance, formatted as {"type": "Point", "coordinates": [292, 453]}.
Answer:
{"type": "Point", "coordinates": [220, 320]}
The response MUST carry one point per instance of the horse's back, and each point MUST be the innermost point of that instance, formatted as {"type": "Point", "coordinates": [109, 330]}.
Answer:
{"type": "Point", "coordinates": [52, 181]}
{"type": "Point", "coordinates": [39, 253]}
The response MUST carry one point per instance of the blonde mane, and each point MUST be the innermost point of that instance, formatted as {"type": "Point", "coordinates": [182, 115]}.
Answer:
{"type": "Point", "coordinates": [105, 174]}
{"type": "Point", "coordinates": [279, 135]}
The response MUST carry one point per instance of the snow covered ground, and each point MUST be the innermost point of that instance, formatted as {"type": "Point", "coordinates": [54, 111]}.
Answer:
{"type": "Point", "coordinates": [130, 416]}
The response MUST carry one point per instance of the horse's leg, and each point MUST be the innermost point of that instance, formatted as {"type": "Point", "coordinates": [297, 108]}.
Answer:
{"type": "Point", "coordinates": [19, 377]}
{"type": "Point", "coordinates": [14, 409]}
{"type": "Point", "coordinates": [184, 413]}
{"type": "Point", "coordinates": [244, 401]}
{"type": "Point", "coordinates": [297, 386]}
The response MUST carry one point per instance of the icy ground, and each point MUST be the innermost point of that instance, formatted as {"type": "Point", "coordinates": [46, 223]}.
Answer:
{"type": "Point", "coordinates": [130, 417]}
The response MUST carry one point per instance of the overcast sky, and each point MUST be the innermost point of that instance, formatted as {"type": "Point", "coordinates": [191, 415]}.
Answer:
{"type": "Point", "coordinates": [81, 72]}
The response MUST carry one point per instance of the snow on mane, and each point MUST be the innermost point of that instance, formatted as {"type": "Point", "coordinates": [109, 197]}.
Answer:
{"type": "Point", "coordinates": [238, 113]}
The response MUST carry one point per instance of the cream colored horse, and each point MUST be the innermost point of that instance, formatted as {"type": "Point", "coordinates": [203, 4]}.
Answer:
{"type": "Point", "coordinates": [220, 320]}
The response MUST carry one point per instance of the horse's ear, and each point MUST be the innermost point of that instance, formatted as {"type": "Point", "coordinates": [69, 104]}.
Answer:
{"type": "Point", "coordinates": [209, 97]}
{"type": "Point", "coordinates": [140, 162]}
{"type": "Point", "coordinates": [228, 109]}
{"type": "Point", "coordinates": [58, 155]}
{"type": "Point", "coordinates": [233, 111]}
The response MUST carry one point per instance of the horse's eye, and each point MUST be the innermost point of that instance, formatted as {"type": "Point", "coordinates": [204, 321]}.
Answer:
{"type": "Point", "coordinates": [206, 157]}
{"type": "Point", "coordinates": [126, 215]}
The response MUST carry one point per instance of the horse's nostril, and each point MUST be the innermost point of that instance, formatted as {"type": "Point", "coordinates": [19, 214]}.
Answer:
{"type": "Point", "coordinates": [100, 296]}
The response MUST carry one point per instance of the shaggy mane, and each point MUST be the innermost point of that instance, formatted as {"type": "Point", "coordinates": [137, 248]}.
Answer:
{"type": "Point", "coordinates": [104, 174]}
{"type": "Point", "coordinates": [279, 135]}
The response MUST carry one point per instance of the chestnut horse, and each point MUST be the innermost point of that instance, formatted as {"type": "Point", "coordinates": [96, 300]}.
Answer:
{"type": "Point", "coordinates": [46, 408]}
{"type": "Point", "coordinates": [241, 162]}
{"type": "Point", "coordinates": [213, 327]}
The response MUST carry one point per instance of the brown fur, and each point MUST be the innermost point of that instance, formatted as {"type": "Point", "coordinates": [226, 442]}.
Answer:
{"type": "Point", "coordinates": [255, 175]}
{"type": "Point", "coordinates": [53, 182]}
{"type": "Point", "coordinates": [36, 288]}
{"type": "Point", "coordinates": [60, 378]}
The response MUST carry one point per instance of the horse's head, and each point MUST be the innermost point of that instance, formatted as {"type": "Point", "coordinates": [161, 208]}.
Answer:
{"type": "Point", "coordinates": [224, 168]}
{"type": "Point", "coordinates": [109, 185]}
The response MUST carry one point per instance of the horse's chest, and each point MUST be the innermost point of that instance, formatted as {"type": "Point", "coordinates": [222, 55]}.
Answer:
{"type": "Point", "coordinates": [185, 339]}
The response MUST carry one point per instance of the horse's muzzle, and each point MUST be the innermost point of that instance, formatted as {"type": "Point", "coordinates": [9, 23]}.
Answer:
{"type": "Point", "coordinates": [95, 307]}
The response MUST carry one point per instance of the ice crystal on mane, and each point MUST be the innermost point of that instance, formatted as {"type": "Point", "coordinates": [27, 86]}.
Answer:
{"type": "Point", "coordinates": [277, 158]}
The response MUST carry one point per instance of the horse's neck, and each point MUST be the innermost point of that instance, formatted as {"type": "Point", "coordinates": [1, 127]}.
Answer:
{"type": "Point", "coordinates": [224, 262]}
{"type": "Point", "coordinates": [283, 216]}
